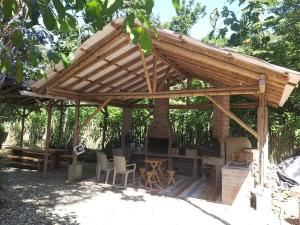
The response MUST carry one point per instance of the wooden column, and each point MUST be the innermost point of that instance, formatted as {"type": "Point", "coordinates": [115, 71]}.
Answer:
{"type": "Point", "coordinates": [262, 130]}
{"type": "Point", "coordinates": [76, 137]}
{"type": "Point", "coordinates": [48, 136]}
{"type": "Point", "coordinates": [23, 126]}
{"type": "Point", "coordinates": [126, 125]}
{"type": "Point", "coordinates": [60, 127]}
{"type": "Point", "coordinates": [105, 114]}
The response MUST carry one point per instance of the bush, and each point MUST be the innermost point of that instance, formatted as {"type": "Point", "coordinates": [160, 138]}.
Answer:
{"type": "Point", "coordinates": [3, 135]}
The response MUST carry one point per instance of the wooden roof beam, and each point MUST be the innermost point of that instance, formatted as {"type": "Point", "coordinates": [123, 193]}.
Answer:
{"type": "Point", "coordinates": [146, 72]}
{"type": "Point", "coordinates": [103, 67]}
{"type": "Point", "coordinates": [215, 91]}
{"type": "Point", "coordinates": [84, 61]}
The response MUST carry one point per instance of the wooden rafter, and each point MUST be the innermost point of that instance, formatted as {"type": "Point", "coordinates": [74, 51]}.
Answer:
{"type": "Point", "coordinates": [164, 79]}
{"type": "Point", "coordinates": [111, 73]}
{"type": "Point", "coordinates": [164, 59]}
{"type": "Point", "coordinates": [132, 72]}
{"type": "Point", "coordinates": [234, 117]}
{"type": "Point", "coordinates": [138, 82]}
{"type": "Point", "coordinates": [146, 73]}
{"type": "Point", "coordinates": [94, 113]}
{"type": "Point", "coordinates": [101, 68]}
{"type": "Point", "coordinates": [84, 61]}
{"type": "Point", "coordinates": [154, 72]}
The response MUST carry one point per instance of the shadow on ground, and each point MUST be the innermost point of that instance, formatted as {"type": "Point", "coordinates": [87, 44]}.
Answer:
{"type": "Point", "coordinates": [29, 198]}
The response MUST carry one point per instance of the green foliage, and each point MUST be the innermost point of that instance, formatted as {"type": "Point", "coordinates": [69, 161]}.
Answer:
{"type": "Point", "coordinates": [268, 30]}
{"type": "Point", "coordinates": [187, 14]}
{"type": "Point", "coordinates": [21, 32]}
{"type": "Point", "coordinates": [3, 135]}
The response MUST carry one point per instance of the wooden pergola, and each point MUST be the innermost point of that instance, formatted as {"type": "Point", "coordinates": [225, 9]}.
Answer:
{"type": "Point", "coordinates": [109, 70]}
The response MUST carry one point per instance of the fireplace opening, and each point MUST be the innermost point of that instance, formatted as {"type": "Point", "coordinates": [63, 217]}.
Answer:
{"type": "Point", "coordinates": [158, 145]}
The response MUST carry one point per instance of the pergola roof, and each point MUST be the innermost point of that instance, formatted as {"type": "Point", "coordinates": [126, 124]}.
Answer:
{"type": "Point", "coordinates": [10, 93]}
{"type": "Point", "coordinates": [107, 64]}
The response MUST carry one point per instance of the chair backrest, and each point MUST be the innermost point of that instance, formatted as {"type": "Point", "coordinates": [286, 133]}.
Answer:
{"type": "Point", "coordinates": [118, 151]}
{"type": "Point", "coordinates": [235, 144]}
{"type": "Point", "coordinates": [120, 164]}
{"type": "Point", "coordinates": [102, 159]}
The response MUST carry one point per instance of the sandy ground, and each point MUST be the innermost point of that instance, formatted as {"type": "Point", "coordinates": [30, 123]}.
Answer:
{"type": "Point", "coordinates": [31, 199]}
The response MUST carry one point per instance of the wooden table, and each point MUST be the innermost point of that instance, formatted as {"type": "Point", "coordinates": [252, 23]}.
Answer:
{"type": "Point", "coordinates": [156, 164]}
{"type": "Point", "coordinates": [38, 152]}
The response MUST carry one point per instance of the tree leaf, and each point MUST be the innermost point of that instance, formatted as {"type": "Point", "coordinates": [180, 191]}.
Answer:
{"type": "Point", "coordinates": [176, 4]}
{"type": "Point", "coordinates": [128, 23]}
{"type": "Point", "coordinates": [49, 19]}
{"type": "Point", "coordinates": [19, 71]}
{"type": "Point", "coordinates": [60, 9]}
{"type": "Point", "coordinates": [149, 6]}
{"type": "Point", "coordinates": [146, 42]}
{"type": "Point", "coordinates": [71, 21]}
{"type": "Point", "coordinates": [8, 9]}
{"type": "Point", "coordinates": [94, 8]}
{"type": "Point", "coordinates": [65, 60]}
{"type": "Point", "coordinates": [54, 57]}
{"type": "Point", "coordinates": [17, 38]}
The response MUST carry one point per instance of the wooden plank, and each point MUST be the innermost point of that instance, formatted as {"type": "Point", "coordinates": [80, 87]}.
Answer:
{"type": "Point", "coordinates": [105, 66]}
{"type": "Point", "coordinates": [204, 106]}
{"type": "Point", "coordinates": [26, 158]}
{"type": "Point", "coordinates": [94, 113]}
{"type": "Point", "coordinates": [234, 90]}
{"type": "Point", "coordinates": [154, 72]}
{"type": "Point", "coordinates": [84, 61]}
{"type": "Point", "coordinates": [109, 63]}
{"type": "Point", "coordinates": [146, 73]}
{"type": "Point", "coordinates": [165, 78]}
{"type": "Point", "coordinates": [117, 79]}
{"type": "Point", "coordinates": [234, 117]}
{"type": "Point", "coordinates": [214, 55]}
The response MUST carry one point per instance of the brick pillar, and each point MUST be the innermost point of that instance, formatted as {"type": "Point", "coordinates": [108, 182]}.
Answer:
{"type": "Point", "coordinates": [220, 119]}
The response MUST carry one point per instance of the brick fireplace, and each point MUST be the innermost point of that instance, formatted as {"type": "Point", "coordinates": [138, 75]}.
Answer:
{"type": "Point", "coordinates": [160, 135]}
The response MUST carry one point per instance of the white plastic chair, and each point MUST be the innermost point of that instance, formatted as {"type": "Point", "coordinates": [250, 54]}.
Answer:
{"type": "Point", "coordinates": [103, 165]}
{"type": "Point", "coordinates": [122, 168]}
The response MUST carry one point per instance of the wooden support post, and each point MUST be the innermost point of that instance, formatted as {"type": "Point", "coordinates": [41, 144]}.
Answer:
{"type": "Point", "coordinates": [146, 73]}
{"type": "Point", "coordinates": [262, 129]}
{"type": "Point", "coordinates": [106, 115]}
{"type": "Point", "coordinates": [126, 126]}
{"type": "Point", "coordinates": [48, 136]}
{"type": "Point", "coordinates": [22, 126]}
{"type": "Point", "coordinates": [76, 132]}
{"type": "Point", "coordinates": [234, 117]}
{"type": "Point", "coordinates": [60, 126]}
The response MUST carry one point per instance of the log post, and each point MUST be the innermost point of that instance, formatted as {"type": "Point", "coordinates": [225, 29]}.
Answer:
{"type": "Point", "coordinates": [126, 126]}
{"type": "Point", "coordinates": [60, 127]}
{"type": "Point", "coordinates": [22, 126]}
{"type": "Point", "coordinates": [48, 136]}
{"type": "Point", "coordinates": [76, 137]}
{"type": "Point", "coordinates": [105, 114]}
{"type": "Point", "coordinates": [262, 130]}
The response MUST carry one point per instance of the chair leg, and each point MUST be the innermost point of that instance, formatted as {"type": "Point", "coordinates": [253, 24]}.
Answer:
{"type": "Point", "coordinates": [98, 174]}
{"type": "Point", "coordinates": [114, 179]}
{"type": "Point", "coordinates": [107, 175]}
{"type": "Point", "coordinates": [133, 177]}
{"type": "Point", "coordinates": [125, 182]}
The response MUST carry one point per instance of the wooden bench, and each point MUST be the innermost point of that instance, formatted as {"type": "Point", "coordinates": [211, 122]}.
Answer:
{"type": "Point", "coordinates": [26, 161]}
